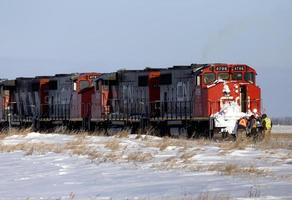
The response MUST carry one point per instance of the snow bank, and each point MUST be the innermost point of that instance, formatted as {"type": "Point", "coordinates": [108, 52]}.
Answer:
{"type": "Point", "coordinates": [226, 119]}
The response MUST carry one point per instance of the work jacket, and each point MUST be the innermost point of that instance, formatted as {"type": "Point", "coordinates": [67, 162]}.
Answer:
{"type": "Point", "coordinates": [267, 123]}
{"type": "Point", "coordinates": [243, 122]}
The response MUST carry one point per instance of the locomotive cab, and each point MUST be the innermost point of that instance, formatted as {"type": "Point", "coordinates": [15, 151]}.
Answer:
{"type": "Point", "coordinates": [226, 86]}
{"type": "Point", "coordinates": [226, 83]}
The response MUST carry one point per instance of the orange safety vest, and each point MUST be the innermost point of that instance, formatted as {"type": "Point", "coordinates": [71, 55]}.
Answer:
{"type": "Point", "coordinates": [243, 122]}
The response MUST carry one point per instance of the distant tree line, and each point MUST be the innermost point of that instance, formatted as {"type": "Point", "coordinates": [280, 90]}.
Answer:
{"type": "Point", "coordinates": [282, 120]}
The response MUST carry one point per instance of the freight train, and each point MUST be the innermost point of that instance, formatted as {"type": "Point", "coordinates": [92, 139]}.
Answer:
{"type": "Point", "coordinates": [176, 100]}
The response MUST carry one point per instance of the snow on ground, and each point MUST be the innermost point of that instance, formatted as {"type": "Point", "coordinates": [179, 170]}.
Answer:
{"type": "Point", "coordinates": [282, 129]}
{"type": "Point", "coordinates": [55, 166]}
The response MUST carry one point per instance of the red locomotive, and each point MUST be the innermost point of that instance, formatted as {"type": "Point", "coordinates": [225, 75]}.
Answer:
{"type": "Point", "coordinates": [183, 99]}
{"type": "Point", "coordinates": [218, 84]}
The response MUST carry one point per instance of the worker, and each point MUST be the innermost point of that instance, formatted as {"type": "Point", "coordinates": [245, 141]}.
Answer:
{"type": "Point", "coordinates": [252, 127]}
{"type": "Point", "coordinates": [267, 127]}
{"type": "Point", "coordinates": [259, 128]}
{"type": "Point", "coordinates": [241, 128]}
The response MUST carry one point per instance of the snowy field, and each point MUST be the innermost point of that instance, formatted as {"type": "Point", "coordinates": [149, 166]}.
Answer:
{"type": "Point", "coordinates": [55, 166]}
{"type": "Point", "coordinates": [282, 129]}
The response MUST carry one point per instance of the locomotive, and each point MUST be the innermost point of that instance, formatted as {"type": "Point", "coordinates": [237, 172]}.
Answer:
{"type": "Point", "coordinates": [180, 100]}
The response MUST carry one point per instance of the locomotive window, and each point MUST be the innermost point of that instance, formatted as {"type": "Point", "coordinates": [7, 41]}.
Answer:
{"type": "Point", "coordinates": [105, 82]}
{"type": "Point", "coordinates": [223, 76]}
{"type": "Point", "coordinates": [249, 77]}
{"type": "Point", "coordinates": [142, 81]}
{"type": "Point", "coordinates": [53, 85]}
{"type": "Point", "coordinates": [96, 85]}
{"type": "Point", "coordinates": [198, 80]}
{"type": "Point", "coordinates": [84, 84]}
{"type": "Point", "coordinates": [75, 86]}
{"type": "Point", "coordinates": [165, 79]}
{"type": "Point", "coordinates": [237, 76]}
{"type": "Point", "coordinates": [209, 78]}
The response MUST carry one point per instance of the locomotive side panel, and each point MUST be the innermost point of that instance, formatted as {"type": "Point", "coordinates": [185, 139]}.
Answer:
{"type": "Point", "coordinates": [86, 99]}
{"type": "Point", "coordinates": [255, 103]}
{"type": "Point", "coordinates": [177, 85]}
{"type": "Point", "coordinates": [25, 98]}
{"type": "Point", "coordinates": [133, 93]}
{"type": "Point", "coordinates": [104, 97]}
{"type": "Point", "coordinates": [75, 107]}
{"type": "Point", "coordinates": [81, 99]}
{"type": "Point", "coordinates": [60, 94]}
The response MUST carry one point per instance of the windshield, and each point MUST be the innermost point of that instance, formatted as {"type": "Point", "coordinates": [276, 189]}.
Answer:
{"type": "Point", "coordinates": [209, 78]}
{"type": "Point", "coordinates": [223, 76]}
{"type": "Point", "coordinates": [249, 77]}
{"type": "Point", "coordinates": [84, 84]}
{"type": "Point", "coordinates": [237, 76]}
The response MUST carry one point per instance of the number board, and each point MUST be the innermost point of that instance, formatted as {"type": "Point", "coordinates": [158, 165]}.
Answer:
{"type": "Point", "coordinates": [93, 77]}
{"type": "Point", "coordinates": [238, 68]}
{"type": "Point", "coordinates": [221, 68]}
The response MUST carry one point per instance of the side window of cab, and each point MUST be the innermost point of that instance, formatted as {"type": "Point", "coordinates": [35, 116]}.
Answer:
{"type": "Point", "coordinates": [209, 78]}
{"type": "Point", "coordinates": [249, 77]}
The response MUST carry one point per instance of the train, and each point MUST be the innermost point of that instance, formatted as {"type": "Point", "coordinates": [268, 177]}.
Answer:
{"type": "Point", "coordinates": [177, 100]}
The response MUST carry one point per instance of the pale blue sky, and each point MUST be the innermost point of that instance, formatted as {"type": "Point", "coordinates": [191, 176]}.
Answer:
{"type": "Point", "coordinates": [41, 37]}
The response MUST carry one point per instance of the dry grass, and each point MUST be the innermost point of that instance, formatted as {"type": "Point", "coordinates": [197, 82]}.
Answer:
{"type": "Point", "coordinates": [31, 148]}
{"type": "Point", "coordinates": [139, 157]}
{"type": "Point", "coordinates": [276, 143]}
{"type": "Point", "coordinates": [77, 146]}
{"type": "Point", "coordinates": [187, 155]}
{"type": "Point", "coordinates": [2, 136]}
{"type": "Point", "coordinates": [123, 134]}
{"type": "Point", "coordinates": [238, 144]}
{"type": "Point", "coordinates": [234, 169]}
{"type": "Point", "coordinates": [166, 142]}
{"type": "Point", "coordinates": [15, 131]}
{"type": "Point", "coordinates": [207, 196]}
{"type": "Point", "coordinates": [113, 145]}
{"type": "Point", "coordinates": [229, 169]}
